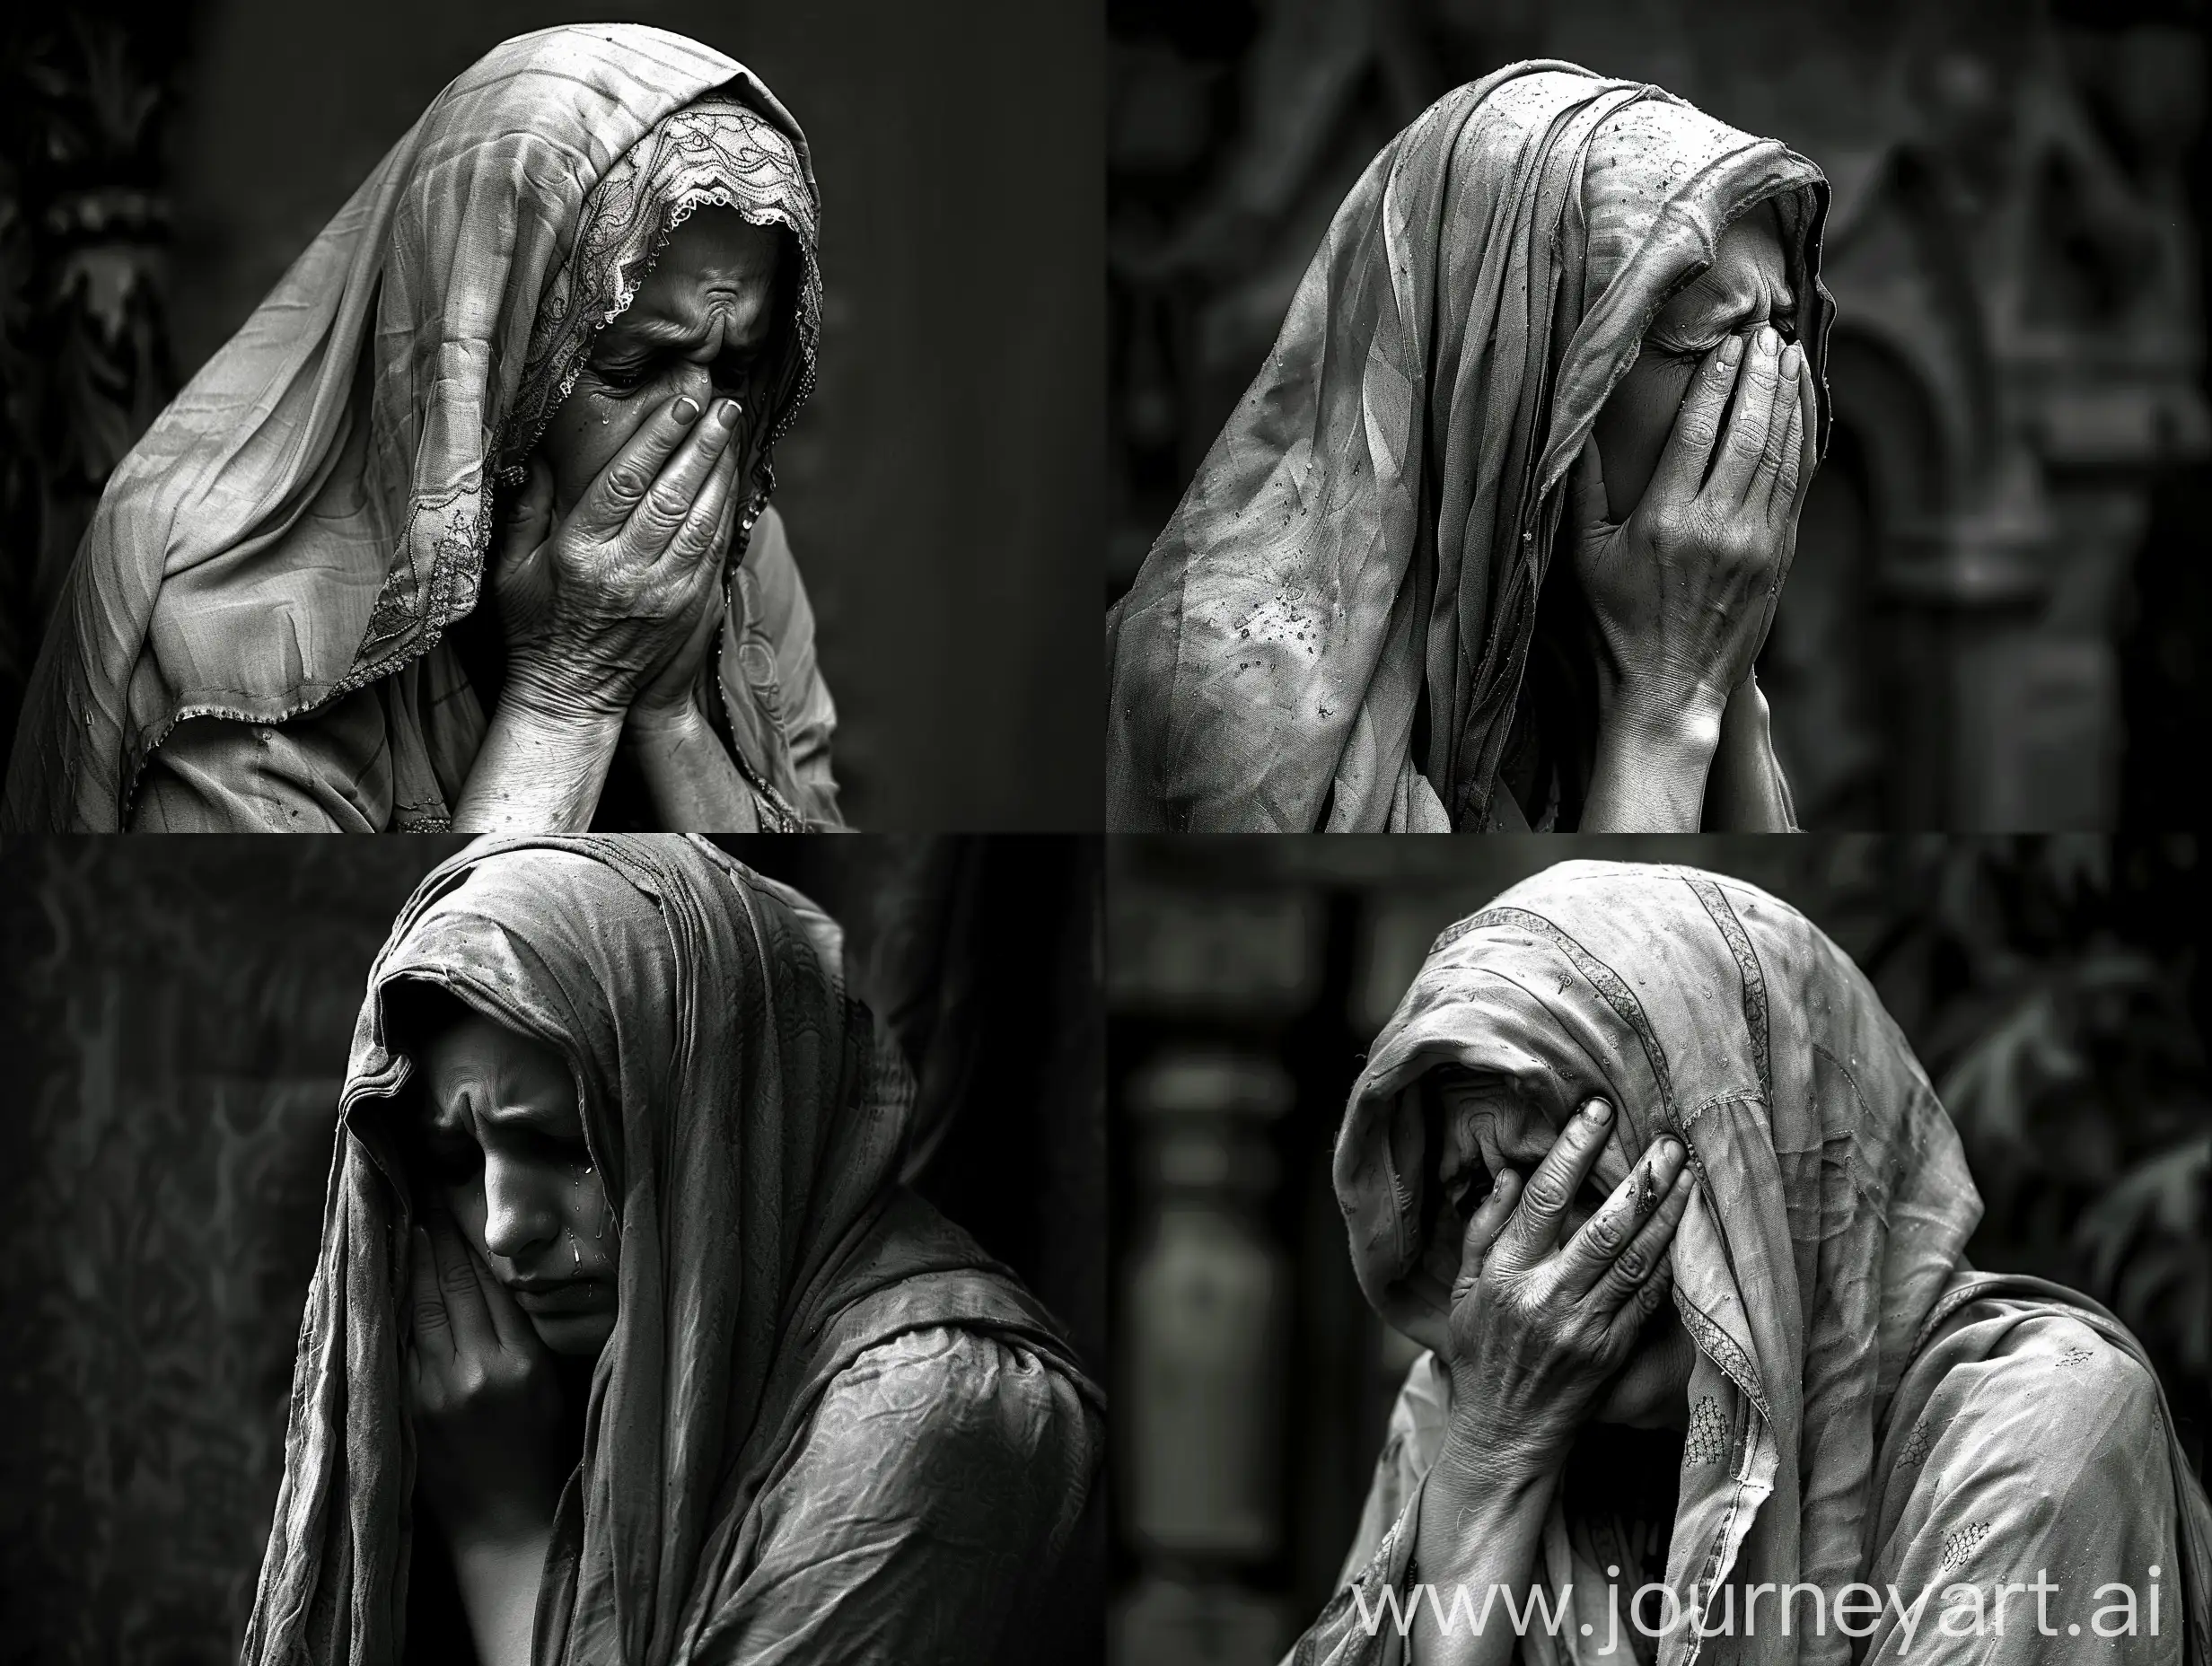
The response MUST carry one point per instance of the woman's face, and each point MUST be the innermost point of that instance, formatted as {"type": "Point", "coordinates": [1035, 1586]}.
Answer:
{"type": "Point", "coordinates": [1747, 285]}
{"type": "Point", "coordinates": [505, 1153]}
{"type": "Point", "coordinates": [1489, 1127]}
{"type": "Point", "coordinates": [703, 323]}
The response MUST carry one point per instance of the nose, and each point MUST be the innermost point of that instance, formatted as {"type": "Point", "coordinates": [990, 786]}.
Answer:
{"type": "Point", "coordinates": [698, 380]}
{"type": "Point", "coordinates": [521, 1207]}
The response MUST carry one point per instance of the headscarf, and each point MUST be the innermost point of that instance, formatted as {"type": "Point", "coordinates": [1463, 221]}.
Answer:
{"type": "Point", "coordinates": [312, 512]}
{"type": "Point", "coordinates": [1369, 533]}
{"type": "Point", "coordinates": [749, 1122]}
{"type": "Point", "coordinates": [1822, 1245]}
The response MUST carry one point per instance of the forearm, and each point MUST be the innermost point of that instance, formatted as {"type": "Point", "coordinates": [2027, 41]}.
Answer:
{"type": "Point", "coordinates": [536, 773]}
{"type": "Point", "coordinates": [1479, 1529]}
{"type": "Point", "coordinates": [693, 781]}
{"type": "Point", "coordinates": [1649, 774]}
{"type": "Point", "coordinates": [499, 1580]}
{"type": "Point", "coordinates": [1746, 792]}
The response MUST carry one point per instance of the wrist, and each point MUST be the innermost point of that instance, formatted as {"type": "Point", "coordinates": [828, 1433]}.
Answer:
{"type": "Point", "coordinates": [546, 700]}
{"type": "Point", "coordinates": [1664, 718]}
{"type": "Point", "coordinates": [664, 726]}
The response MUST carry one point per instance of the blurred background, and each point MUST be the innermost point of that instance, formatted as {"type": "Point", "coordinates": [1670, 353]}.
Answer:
{"type": "Point", "coordinates": [1996, 615]}
{"type": "Point", "coordinates": [176, 1015]}
{"type": "Point", "coordinates": [161, 165]}
{"type": "Point", "coordinates": [2052, 986]}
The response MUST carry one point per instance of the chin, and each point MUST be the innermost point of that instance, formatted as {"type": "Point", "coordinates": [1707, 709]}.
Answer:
{"type": "Point", "coordinates": [574, 1336]}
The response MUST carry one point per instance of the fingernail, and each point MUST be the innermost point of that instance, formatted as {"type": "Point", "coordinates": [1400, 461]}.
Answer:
{"type": "Point", "coordinates": [1670, 1148]}
{"type": "Point", "coordinates": [725, 413]}
{"type": "Point", "coordinates": [687, 411]}
{"type": "Point", "coordinates": [1598, 1110]}
{"type": "Point", "coordinates": [1793, 357]}
{"type": "Point", "coordinates": [1731, 350]}
{"type": "Point", "coordinates": [1768, 341]}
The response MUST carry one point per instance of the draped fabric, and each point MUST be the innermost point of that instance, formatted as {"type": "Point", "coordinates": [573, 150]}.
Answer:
{"type": "Point", "coordinates": [742, 1479]}
{"type": "Point", "coordinates": [310, 516]}
{"type": "Point", "coordinates": [1862, 1405]}
{"type": "Point", "coordinates": [1332, 631]}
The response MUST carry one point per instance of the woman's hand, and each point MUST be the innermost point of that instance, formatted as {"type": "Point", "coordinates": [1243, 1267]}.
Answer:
{"type": "Point", "coordinates": [485, 1399]}
{"type": "Point", "coordinates": [1538, 1328]}
{"type": "Point", "coordinates": [1682, 593]}
{"type": "Point", "coordinates": [625, 586]}
{"type": "Point", "coordinates": [668, 702]}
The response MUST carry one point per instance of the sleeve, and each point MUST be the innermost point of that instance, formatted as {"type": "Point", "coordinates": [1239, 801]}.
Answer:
{"type": "Point", "coordinates": [808, 715]}
{"type": "Point", "coordinates": [330, 772]}
{"type": "Point", "coordinates": [2043, 1464]}
{"type": "Point", "coordinates": [939, 1482]}
{"type": "Point", "coordinates": [1365, 1622]}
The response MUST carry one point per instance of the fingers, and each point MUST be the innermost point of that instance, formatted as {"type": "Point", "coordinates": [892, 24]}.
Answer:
{"type": "Point", "coordinates": [1794, 471]}
{"type": "Point", "coordinates": [1535, 1226]}
{"type": "Point", "coordinates": [701, 532]}
{"type": "Point", "coordinates": [1588, 510]}
{"type": "Point", "coordinates": [1483, 1228]}
{"type": "Point", "coordinates": [1749, 444]}
{"type": "Point", "coordinates": [469, 1322]}
{"type": "Point", "coordinates": [1636, 1282]}
{"type": "Point", "coordinates": [529, 513]}
{"type": "Point", "coordinates": [1697, 425]}
{"type": "Point", "coordinates": [621, 487]}
{"type": "Point", "coordinates": [670, 504]}
{"type": "Point", "coordinates": [434, 1331]}
{"type": "Point", "coordinates": [1595, 1250]}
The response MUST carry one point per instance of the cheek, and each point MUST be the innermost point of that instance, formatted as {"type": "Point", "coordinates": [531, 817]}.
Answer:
{"type": "Point", "coordinates": [1632, 428]}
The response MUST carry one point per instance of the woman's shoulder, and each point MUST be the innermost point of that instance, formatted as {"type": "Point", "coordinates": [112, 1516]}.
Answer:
{"type": "Point", "coordinates": [958, 1393]}
{"type": "Point", "coordinates": [2033, 1386]}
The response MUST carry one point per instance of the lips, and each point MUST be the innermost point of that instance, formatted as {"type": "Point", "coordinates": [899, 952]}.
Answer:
{"type": "Point", "coordinates": [566, 1295]}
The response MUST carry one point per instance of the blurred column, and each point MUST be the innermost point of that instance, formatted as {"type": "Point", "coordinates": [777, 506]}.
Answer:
{"type": "Point", "coordinates": [1202, 986]}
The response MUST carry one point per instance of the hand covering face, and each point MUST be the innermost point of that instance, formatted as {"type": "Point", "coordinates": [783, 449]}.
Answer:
{"type": "Point", "coordinates": [1818, 1270]}
{"type": "Point", "coordinates": [1331, 634]}
{"type": "Point", "coordinates": [311, 514]}
{"type": "Point", "coordinates": [749, 1122]}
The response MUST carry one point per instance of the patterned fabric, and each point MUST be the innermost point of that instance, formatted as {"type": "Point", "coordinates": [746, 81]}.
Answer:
{"type": "Point", "coordinates": [1365, 542]}
{"type": "Point", "coordinates": [756, 1482]}
{"type": "Point", "coordinates": [1863, 1407]}
{"type": "Point", "coordinates": [310, 514]}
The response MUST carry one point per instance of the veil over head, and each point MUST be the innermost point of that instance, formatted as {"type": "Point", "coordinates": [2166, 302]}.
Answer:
{"type": "Point", "coordinates": [1357, 561]}
{"type": "Point", "coordinates": [312, 512]}
{"type": "Point", "coordinates": [1822, 1248]}
{"type": "Point", "coordinates": [749, 1122]}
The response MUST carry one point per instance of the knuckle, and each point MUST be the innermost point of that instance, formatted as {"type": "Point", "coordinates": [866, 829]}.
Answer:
{"type": "Point", "coordinates": [628, 482]}
{"type": "Point", "coordinates": [1546, 1194]}
{"type": "Point", "coordinates": [1633, 1264]}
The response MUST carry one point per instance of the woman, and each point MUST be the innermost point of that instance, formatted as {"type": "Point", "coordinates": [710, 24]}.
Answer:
{"type": "Point", "coordinates": [624, 1325]}
{"type": "Point", "coordinates": [559, 329]}
{"type": "Point", "coordinates": [1556, 312]}
{"type": "Point", "coordinates": [1762, 1362]}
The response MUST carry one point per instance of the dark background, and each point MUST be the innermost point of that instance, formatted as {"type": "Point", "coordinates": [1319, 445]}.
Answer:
{"type": "Point", "coordinates": [163, 165]}
{"type": "Point", "coordinates": [2053, 988]}
{"type": "Point", "coordinates": [1996, 615]}
{"type": "Point", "coordinates": [176, 1016]}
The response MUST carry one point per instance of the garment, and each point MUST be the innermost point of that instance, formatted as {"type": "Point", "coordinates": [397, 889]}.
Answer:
{"type": "Point", "coordinates": [1333, 631]}
{"type": "Point", "coordinates": [804, 1353]}
{"type": "Point", "coordinates": [279, 563]}
{"type": "Point", "coordinates": [1863, 1406]}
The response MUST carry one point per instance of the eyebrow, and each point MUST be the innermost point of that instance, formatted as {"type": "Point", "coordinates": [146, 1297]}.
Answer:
{"type": "Point", "coordinates": [662, 332]}
{"type": "Point", "coordinates": [463, 1113]}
